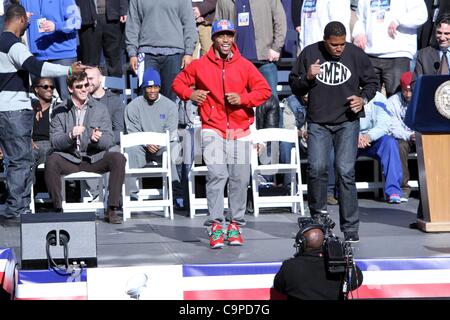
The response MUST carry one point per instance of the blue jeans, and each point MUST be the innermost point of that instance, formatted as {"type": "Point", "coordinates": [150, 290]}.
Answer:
{"type": "Point", "coordinates": [269, 72]}
{"type": "Point", "coordinates": [385, 150]}
{"type": "Point", "coordinates": [168, 68]}
{"type": "Point", "coordinates": [15, 141]}
{"type": "Point", "coordinates": [344, 138]}
{"type": "Point", "coordinates": [331, 188]}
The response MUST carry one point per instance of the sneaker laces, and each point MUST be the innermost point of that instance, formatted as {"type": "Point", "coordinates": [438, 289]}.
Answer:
{"type": "Point", "coordinates": [233, 232]}
{"type": "Point", "coordinates": [216, 234]}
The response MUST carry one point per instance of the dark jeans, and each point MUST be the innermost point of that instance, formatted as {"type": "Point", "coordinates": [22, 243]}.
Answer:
{"type": "Point", "coordinates": [389, 71]}
{"type": "Point", "coordinates": [15, 141]}
{"type": "Point", "coordinates": [321, 139]}
{"type": "Point", "coordinates": [331, 188]}
{"type": "Point", "coordinates": [270, 73]}
{"type": "Point", "coordinates": [404, 148]}
{"type": "Point", "coordinates": [106, 36]}
{"type": "Point", "coordinates": [168, 67]}
{"type": "Point", "coordinates": [113, 162]}
{"type": "Point", "coordinates": [40, 155]}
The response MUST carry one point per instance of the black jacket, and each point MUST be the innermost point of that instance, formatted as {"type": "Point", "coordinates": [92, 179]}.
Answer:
{"type": "Point", "coordinates": [351, 74]}
{"type": "Point", "coordinates": [114, 9]}
{"type": "Point", "coordinates": [305, 277]}
{"type": "Point", "coordinates": [268, 114]}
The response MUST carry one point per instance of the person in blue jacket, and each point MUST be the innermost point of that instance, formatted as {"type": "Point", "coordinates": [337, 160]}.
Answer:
{"type": "Point", "coordinates": [52, 33]}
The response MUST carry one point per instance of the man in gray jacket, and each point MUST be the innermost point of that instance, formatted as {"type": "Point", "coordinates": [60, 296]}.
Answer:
{"type": "Point", "coordinates": [81, 135]}
{"type": "Point", "coordinates": [261, 31]}
{"type": "Point", "coordinates": [165, 32]}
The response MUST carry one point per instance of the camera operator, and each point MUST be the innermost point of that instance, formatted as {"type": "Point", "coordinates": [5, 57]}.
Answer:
{"type": "Point", "coordinates": [307, 276]}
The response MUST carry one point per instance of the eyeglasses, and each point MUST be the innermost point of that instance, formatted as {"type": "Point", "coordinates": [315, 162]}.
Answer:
{"type": "Point", "coordinates": [46, 87]}
{"type": "Point", "coordinates": [80, 86]}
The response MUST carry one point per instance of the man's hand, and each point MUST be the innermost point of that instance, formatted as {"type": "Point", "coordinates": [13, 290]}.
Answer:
{"type": "Point", "coordinates": [123, 19]}
{"type": "Point", "coordinates": [198, 96]}
{"type": "Point", "coordinates": [196, 12]}
{"type": "Point", "coordinates": [412, 137]}
{"type": "Point", "coordinates": [356, 103]}
{"type": "Point", "coordinates": [298, 29]}
{"type": "Point", "coordinates": [152, 148]}
{"type": "Point", "coordinates": [392, 29]}
{"type": "Point", "coordinates": [77, 131]}
{"type": "Point", "coordinates": [33, 145]}
{"type": "Point", "coordinates": [303, 134]}
{"type": "Point", "coordinates": [233, 98]}
{"type": "Point", "coordinates": [38, 115]}
{"type": "Point", "coordinates": [78, 67]}
{"type": "Point", "coordinates": [360, 41]}
{"type": "Point", "coordinates": [187, 59]}
{"type": "Point", "coordinates": [273, 55]}
{"type": "Point", "coordinates": [133, 64]}
{"type": "Point", "coordinates": [260, 148]}
{"type": "Point", "coordinates": [313, 70]}
{"type": "Point", "coordinates": [96, 135]}
{"type": "Point", "coordinates": [364, 141]}
{"type": "Point", "coordinates": [48, 26]}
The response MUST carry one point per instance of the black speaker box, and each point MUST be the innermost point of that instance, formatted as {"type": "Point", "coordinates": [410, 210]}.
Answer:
{"type": "Point", "coordinates": [53, 230]}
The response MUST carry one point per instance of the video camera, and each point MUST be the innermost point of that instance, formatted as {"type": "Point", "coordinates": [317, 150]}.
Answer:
{"type": "Point", "coordinates": [338, 254]}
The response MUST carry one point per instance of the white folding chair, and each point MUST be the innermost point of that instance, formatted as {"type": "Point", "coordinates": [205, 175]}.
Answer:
{"type": "Point", "coordinates": [146, 197]}
{"type": "Point", "coordinates": [83, 206]}
{"type": "Point", "coordinates": [197, 203]}
{"type": "Point", "coordinates": [295, 198]}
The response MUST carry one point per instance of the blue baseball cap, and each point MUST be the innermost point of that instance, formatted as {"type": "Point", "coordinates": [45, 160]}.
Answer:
{"type": "Point", "coordinates": [222, 26]}
{"type": "Point", "coordinates": [151, 78]}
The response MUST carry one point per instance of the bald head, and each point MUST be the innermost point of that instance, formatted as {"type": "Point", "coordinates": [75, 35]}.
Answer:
{"type": "Point", "coordinates": [314, 239]}
{"type": "Point", "coordinates": [95, 79]}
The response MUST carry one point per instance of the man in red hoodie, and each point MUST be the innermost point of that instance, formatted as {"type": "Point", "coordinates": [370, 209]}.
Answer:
{"type": "Point", "coordinates": [226, 87]}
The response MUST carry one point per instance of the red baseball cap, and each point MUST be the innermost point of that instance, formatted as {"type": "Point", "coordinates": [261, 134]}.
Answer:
{"type": "Point", "coordinates": [405, 80]}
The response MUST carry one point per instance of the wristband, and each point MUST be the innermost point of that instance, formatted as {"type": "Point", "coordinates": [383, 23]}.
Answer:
{"type": "Point", "coordinates": [70, 71]}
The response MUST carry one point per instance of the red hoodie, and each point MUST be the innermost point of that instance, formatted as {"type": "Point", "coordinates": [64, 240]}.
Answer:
{"type": "Point", "coordinates": [218, 76]}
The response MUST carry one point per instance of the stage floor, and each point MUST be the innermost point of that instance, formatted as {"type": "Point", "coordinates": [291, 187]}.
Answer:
{"type": "Point", "coordinates": [148, 239]}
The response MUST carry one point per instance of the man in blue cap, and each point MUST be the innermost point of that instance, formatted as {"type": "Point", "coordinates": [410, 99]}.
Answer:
{"type": "Point", "coordinates": [151, 112]}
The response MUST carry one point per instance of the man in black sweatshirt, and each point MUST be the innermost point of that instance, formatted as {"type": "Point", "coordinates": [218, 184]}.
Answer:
{"type": "Point", "coordinates": [339, 79]}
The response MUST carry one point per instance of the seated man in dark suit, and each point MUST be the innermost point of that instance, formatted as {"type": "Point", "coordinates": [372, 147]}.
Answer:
{"type": "Point", "coordinates": [81, 135]}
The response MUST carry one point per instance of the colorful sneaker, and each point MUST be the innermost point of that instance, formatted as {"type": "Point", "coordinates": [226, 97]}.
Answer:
{"type": "Point", "coordinates": [216, 238]}
{"type": "Point", "coordinates": [234, 236]}
{"type": "Point", "coordinates": [394, 198]}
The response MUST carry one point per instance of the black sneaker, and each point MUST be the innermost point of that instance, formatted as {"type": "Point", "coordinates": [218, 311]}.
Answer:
{"type": "Point", "coordinates": [414, 225]}
{"type": "Point", "coordinates": [351, 236]}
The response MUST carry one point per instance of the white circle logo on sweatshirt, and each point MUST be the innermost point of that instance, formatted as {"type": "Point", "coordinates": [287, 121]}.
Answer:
{"type": "Point", "coordinates": [333, 73]}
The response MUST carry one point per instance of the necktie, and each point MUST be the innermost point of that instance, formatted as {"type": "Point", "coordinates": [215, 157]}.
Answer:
{"type": "Point", "coordinates": [78, 123]}
{"type": "Point", "coordinates": [444, 63]}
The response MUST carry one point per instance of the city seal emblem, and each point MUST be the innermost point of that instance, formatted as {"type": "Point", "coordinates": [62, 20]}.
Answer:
{"type": "Point", "coordinates": [442, 99]}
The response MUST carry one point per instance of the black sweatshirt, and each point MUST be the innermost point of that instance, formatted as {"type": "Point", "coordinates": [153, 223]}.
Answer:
{"type": "Point", "coordinates": [351, 74]}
